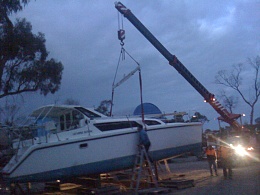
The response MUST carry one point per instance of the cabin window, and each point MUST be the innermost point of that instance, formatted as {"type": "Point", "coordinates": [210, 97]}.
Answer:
{"type": "Point", "coordinates": [62, 122]}
{"type": "Point", "coordinates": [116, 125]}
{"type": "Point", "coordinates": [88, 113]}
{"type": "Point", "coordinates": [151, 122]}
{"type": "Point", "coordinates": [71, 120]}
{"type": "Point", "coordinates": [77, 119]}
{"type": "Point", "coordinates": [68, 120]}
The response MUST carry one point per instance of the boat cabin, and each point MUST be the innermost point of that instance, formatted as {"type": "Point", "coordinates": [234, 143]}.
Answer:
{"type": "Point", "coordinates": [62, 118]}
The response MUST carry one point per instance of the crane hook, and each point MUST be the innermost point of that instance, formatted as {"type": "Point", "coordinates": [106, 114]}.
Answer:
{"type": "Point", "coordinates": [121, 36]}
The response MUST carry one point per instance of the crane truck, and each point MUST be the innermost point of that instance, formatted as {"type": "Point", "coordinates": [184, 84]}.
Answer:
{"type": "Point", "coordinates": [173, 61]}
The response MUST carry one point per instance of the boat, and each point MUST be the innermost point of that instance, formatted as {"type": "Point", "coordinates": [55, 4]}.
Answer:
{"type": "Point", "coordinates": [67, 141]}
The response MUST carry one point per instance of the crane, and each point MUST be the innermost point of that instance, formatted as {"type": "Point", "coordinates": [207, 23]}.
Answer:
{"type": "Point", "coordinates": [173, 61]}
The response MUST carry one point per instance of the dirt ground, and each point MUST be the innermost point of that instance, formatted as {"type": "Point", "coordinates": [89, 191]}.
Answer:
{"type": "Point", "coordinates": [246, 179]}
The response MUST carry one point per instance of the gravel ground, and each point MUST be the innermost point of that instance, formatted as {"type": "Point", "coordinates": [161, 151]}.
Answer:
{"type": "Point", "coordinates": [246, 179]}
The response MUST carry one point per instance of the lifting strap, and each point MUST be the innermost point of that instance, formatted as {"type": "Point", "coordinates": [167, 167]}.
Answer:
{"type": "Point", "coordinates": [121, 37]}
{"type": "Point", "coordinates": [126, 77]}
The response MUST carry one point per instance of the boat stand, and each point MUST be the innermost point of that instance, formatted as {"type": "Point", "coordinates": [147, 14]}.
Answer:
{"type": "Point", "coordinates": [178, 183]}
{"type": "Point", "coordinates": [16, 188]}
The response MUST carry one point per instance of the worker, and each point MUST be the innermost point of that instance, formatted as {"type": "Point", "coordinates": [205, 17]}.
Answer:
{"type": "Point", "coordinates": [226, 155]}
{"type": "Point", "coordinates": [212, 157]}
{"type": "Point", "coordinates": [144, 140]}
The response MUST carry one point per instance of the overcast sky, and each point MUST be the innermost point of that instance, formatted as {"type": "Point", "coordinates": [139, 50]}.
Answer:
{"type": "Point", "coordinates": [206, 36]}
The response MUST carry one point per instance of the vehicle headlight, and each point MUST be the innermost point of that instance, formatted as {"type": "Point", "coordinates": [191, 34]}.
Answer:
{"type": "Point", "coordinates": [239, 150]}
{"type": "Point", "coordinates": [250, 148]}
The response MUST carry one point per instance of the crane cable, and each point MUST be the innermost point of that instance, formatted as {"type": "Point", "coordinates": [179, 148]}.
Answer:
{"type": "Point", "coordinates": [121, 31]}
{"type": "Point", "coordinates": [121, 37]}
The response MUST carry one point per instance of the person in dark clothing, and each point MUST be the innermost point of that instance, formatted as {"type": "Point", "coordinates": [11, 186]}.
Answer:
{"type": "Point", "coordinates": [211, 157]}
{"type": "Point", "coordinates": [226, 155]}
{"type": "Point", "coordinates": [144, 140]}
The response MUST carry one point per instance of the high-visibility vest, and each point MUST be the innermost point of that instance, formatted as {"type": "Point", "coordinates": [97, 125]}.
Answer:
{"type": "Point", "coordinates": [211, 152]}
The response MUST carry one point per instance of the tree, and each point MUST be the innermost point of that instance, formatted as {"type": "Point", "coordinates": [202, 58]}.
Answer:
{"type": "Point", "coordinates": [104, 107]}
{"type": "Point", "coordinates": [7, 43]}
{"type": "Point", "coordinates": [197, 117]}
{"type": "Point", "coordinates": [234, 80]}
{"type": "Point", "coordinates": [23, 56]}
{"type": "Point", "coordinates": [229, 102]}
{"type": "Point", "coordinates": [257, 120]}
{"type": "Point", "coordinates": [9, 6]}
{"type": "Point", "coordinates": [9, 111]}
{"type": "Point", "coordinates": [71, 101]}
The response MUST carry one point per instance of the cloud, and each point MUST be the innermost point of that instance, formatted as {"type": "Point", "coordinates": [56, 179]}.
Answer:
{"type": "Point", "coordinates": [206, 36]}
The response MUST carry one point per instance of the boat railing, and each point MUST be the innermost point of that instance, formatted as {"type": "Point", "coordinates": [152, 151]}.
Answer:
{"type": "Point", "coordinates": [19, 138]}
{"type": "Point", "coordinates": [25, 136]}
{"type": "Point", "coordinates": [174, 117]}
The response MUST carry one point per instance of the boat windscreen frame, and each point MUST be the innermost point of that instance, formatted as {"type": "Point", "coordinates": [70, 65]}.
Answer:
{"type": "Point", "coordinates": [88, 113]}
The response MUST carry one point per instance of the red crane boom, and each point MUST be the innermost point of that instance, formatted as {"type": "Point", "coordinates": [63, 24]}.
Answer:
{"type": "Point", "coordinates": [173, 61]}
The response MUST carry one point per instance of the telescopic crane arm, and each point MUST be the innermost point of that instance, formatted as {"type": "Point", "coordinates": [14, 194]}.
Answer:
{"type": "Point", "coordinates": [173, 61]}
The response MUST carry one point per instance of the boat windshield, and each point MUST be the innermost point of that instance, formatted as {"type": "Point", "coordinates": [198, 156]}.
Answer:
{"type": "Point", "coordinates": [88, 113]}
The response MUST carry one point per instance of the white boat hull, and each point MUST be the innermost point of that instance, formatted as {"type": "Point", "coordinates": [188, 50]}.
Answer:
{"type": "Point", "coordinates": [97, 154]}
